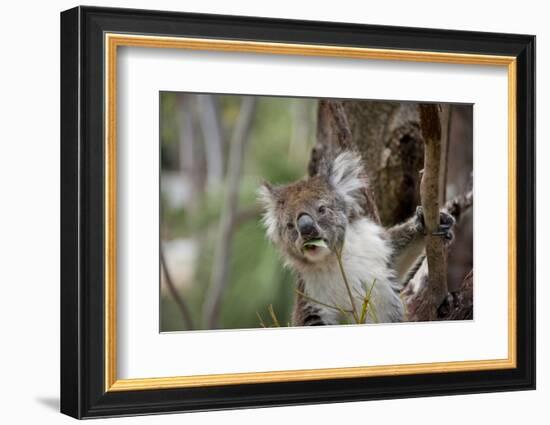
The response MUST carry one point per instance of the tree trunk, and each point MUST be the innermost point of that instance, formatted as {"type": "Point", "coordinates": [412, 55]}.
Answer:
{"type": "Point", "coordinates": [388, 137]}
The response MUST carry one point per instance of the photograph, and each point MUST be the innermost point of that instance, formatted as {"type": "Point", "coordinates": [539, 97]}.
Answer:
{"type": "Point", "coordinates": [268, 211]}
{"type": "Point", "coordinates": [285, 211]}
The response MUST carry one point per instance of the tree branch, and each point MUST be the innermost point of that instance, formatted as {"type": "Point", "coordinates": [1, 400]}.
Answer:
{"type": "Point", "coordinates": [415, 294]}
{"type": "Point", "coordinates": [429, 192]}
{"type": "Point", "coordinates": [182, 305]}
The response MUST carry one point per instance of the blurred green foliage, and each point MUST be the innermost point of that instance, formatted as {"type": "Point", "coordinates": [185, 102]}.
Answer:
{"type": "Point", "coordinates": [257, 276]}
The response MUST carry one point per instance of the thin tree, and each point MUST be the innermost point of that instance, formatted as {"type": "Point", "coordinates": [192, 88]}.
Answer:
{"type": "Point", "coordinates": [213, 138]}
{"type": "Point", "coordinates": [220, 274]}
{"type": "Point", "coordinates": [436, 252]}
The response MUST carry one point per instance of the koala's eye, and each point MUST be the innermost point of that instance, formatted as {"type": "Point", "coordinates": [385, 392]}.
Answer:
{"type": "Point", "coordinates": [322, 209]}
{"type": "Point", "coordinates": [290, 225]}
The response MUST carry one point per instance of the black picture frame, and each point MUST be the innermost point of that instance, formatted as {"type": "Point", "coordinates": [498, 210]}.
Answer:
{"type": "Point", "coordinates": [83, 392]}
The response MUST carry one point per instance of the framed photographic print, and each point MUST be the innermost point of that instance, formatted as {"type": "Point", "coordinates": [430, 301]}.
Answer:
{"type": "Point", "coordinates": [261, 212]}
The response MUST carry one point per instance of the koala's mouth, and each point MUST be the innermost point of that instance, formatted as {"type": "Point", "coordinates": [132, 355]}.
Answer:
{"type": "Point", "coordinates": [314, 245]}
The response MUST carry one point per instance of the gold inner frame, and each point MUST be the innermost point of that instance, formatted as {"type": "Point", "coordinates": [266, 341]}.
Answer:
{"type": "Point", "coordinates": [113, 41]}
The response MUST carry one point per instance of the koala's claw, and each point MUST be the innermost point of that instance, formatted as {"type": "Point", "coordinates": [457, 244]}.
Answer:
{"type": "Point", "coordinates": [446, 223]}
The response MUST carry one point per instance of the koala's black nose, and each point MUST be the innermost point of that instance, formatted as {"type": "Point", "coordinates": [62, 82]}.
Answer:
{"type": "Point", "coordinates": [306, 225]}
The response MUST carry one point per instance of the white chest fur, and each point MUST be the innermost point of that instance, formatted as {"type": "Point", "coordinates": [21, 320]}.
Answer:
{"type": "Point", "coordinates": [365, 258]}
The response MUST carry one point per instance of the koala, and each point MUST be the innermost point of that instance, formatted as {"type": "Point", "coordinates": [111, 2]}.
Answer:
{"type": "Point", "coordinates": [320, 226]}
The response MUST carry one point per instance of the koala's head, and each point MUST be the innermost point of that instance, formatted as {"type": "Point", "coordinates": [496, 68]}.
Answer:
{"type": "Point", "coordinates": [307, 219]}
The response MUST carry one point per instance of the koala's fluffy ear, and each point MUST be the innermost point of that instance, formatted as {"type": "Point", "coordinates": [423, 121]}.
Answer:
{"type": "Point", "coordinates": [268, 197]}
{"type": "Point", "coordinates": [347, 177]}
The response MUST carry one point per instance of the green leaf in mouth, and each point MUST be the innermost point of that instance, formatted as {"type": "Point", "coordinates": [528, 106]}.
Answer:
{"type": "Point", "coordinates": [312, 244]}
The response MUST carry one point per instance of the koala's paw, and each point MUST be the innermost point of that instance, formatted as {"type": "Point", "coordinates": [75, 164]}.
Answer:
{"type": "Point", "coordinates": [446, 223]}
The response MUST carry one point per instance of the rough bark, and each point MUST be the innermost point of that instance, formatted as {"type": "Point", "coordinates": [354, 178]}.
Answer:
{"type": "Point", "coordinates": [388, 136]}
{"type": "Point", "coordinates": [333, 136]}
